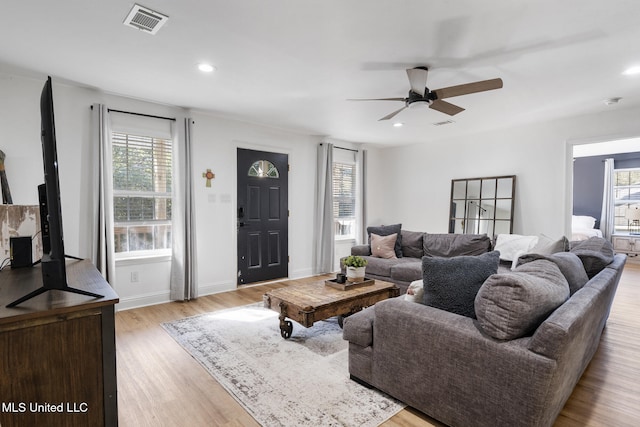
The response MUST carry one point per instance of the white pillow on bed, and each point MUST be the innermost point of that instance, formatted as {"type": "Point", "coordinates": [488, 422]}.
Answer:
{"type": "Point", "coordinates": [582, 222]}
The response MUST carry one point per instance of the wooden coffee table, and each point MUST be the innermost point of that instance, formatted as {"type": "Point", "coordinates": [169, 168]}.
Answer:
{"type": "Point", "coordinates": [307, 303]}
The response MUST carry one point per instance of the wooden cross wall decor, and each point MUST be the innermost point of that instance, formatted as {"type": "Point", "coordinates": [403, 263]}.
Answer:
{"type": "Point", "coordinates": [209, 176]}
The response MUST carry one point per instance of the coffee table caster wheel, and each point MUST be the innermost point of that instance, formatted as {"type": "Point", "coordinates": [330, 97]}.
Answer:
{"type": "Point", "coordinates": [286, 329]}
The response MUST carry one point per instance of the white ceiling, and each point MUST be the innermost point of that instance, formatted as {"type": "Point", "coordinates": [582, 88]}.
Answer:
{"type": "Point", "coordinates": [294, 63]}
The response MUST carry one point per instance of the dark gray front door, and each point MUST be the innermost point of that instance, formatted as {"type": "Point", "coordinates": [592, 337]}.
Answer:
{"type": "Point", "coordinates": [263, 216]}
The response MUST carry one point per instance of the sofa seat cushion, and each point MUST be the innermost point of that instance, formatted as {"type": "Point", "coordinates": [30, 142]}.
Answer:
{"type": "Point", "coordinates": [407, 271]}
{"type": "Point", "coordinates": [513, 304]}
{"type": "Point", "coordinates": [383, 267]}
{"type": "Point", "coordinates": [451, 284]}
{"type": "Point", "coordinates": [385, 230]}
{"type": "Point", "coordinates": [451, 245]}
{"type": "Point", "coordinates": [595, 253]}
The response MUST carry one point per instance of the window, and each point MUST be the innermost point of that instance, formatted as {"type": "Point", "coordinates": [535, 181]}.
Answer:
{"type": "Point", "coordinates": [263, 169]}
{"type": "Point", "coordinates": [626, 188]}
{"type": "Point", "coordinates": [142, 168]}
{"type": "Point", "coordinates": [344, 199]}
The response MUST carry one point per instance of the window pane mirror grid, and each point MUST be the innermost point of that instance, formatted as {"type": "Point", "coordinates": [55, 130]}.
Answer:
{"type": "Point", "coordinates": [482, 205]}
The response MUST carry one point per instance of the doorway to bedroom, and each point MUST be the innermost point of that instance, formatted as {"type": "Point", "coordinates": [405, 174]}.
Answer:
{"type": "Point", "coordinates": [606, 189]}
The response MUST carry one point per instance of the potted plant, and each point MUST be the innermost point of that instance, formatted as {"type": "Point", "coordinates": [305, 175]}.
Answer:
{"type": "Point", "coordinates": [355, 266]}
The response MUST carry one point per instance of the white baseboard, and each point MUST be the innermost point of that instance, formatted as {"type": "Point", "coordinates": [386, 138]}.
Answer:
{"type": "Point", "coordinates": [143, 300]}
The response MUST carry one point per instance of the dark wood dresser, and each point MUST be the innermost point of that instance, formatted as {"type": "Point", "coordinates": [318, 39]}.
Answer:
{"type": "Point", "coordinates": [57, 351]}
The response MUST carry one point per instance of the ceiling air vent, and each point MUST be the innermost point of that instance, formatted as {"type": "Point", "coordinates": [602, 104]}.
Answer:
{"type": "Point", "coordinates": [446, 122]}
{"type": "Point", "coordinates": [145, 19]}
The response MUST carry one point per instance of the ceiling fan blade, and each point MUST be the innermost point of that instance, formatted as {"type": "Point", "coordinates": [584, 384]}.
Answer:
{"type": "Point", "coordinates": [392, 115]}
{"type": "Point", "coordinates": [418, 79]}
{"type": "Point", "coordinates": [446, 107]}
{"type": "Point", "coordinates": [379, 99]}
{"type": "Point", "coordinates": [481, 86]}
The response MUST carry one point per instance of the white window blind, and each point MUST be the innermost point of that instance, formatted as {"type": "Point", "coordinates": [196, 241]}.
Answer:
{"type": "Point", "coordinates": [142, 172]}
{"type": "Point", "coordinates": [344, 199]}
{"type": "Point", "coordinates": [626, 188]}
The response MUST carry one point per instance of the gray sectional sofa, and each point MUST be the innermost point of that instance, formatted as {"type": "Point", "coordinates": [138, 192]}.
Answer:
{"type": "Point", "coordinates": [413, 245]}
{"type": "Point", "coordinates": [515, 363]}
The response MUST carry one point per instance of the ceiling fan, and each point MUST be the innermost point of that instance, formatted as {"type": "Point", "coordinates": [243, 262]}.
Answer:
{"type": "Point", "coordinates": [420, 95]}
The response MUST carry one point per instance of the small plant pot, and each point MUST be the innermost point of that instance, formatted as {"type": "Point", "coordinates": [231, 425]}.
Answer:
{"type": "Point", "coordinates": [355, 274]}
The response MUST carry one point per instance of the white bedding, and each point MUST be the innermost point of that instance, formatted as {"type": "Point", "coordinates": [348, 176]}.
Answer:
{"type": "Point", "coordinates": [585, 233]}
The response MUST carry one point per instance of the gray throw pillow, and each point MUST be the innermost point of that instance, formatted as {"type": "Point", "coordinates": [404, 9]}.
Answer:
{"type": "Point", "coordinates": [450, 245]}
{"type": "Point", "coordinates": [569, 264]}
{"type": "Point", "coordinates": [595, 253]}
{"type": "Point", "coordinates": [451, 284]}
{"type": "Point", "coordinates": [512, 305]}
{"type": "Point", "coordinates": [412, 244]}
{"type": "Point", "coordinates": [385, 230]}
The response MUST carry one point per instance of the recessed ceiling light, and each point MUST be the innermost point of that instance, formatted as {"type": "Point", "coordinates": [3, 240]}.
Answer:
{"type": "Point", "coordinates": [632, 70]}
{"type": "Point", "coordinates": [398, 125]}
{"type": "Point", "coordinates": [206, 68]}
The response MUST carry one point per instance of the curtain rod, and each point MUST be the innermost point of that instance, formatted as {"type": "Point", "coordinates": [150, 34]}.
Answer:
{"type": "Point", "coordinates": [140, 114]}
{"type": "Point", "coordinates": [342, 148]}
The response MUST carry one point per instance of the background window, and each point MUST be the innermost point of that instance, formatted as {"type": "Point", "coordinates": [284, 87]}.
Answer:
{"type": "Point", "coordinates": [626, 187]}
{"type": "Point", "coordinates": [344, 199]}
{"type": "Point", "coordinates": [141, 192]}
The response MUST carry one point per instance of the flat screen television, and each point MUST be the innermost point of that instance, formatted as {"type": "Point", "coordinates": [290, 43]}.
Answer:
{"type": "Point", "coordinates": [54, 274]}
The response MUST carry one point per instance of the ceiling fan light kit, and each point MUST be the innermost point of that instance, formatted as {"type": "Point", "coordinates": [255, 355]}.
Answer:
{"type": "Point", "coordinates": [420, 96]}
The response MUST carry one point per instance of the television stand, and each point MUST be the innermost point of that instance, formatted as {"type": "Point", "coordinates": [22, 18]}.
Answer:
{"type": "Point", "coordinates": [44, 289]}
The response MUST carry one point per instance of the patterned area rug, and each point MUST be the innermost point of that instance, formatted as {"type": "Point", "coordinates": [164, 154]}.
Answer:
{"type": "Point", "coordinates": [300, 381]}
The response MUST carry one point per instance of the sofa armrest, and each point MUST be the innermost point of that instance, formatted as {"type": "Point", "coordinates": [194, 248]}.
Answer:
{"type": "Point", "coordinates": [361, 250]}
{"type": "Point", "coordinates": [358, 328]}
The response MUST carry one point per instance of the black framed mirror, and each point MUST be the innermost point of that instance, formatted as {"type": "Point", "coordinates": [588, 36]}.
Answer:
{"type": "Point", "coordinates": [482, 205]}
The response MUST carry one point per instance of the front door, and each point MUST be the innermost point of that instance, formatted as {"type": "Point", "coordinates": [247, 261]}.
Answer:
{"type": "Point", "coordinates": [263, 216]}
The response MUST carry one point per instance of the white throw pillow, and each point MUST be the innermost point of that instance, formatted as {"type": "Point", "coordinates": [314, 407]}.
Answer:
{"type": "Point", "coordinates": [511, 246]}
{"type": "Point", "coordinates": [415, 292]}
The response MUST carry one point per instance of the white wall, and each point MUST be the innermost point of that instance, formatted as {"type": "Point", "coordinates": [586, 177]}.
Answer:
{"type": "Point", "coordinates": [414, 188]}
{"type": "Point", "coordinates": [215, 141]}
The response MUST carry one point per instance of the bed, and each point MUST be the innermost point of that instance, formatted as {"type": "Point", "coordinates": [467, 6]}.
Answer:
{"type": "Point", "coordinates": [583, 227]}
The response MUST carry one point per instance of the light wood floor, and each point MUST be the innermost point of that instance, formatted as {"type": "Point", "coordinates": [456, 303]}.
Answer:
{"type": "Point", "coordinates": [159, 384]}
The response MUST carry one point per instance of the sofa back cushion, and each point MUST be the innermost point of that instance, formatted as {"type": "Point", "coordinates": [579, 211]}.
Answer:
{"type": "Point", "coordinates": [595, 253]}
{"type": "Point", "coordinates": [451, 284]}
{"type": "Point", "coordinates": [450, 245]}
{"type": "Point", "coordinates": [569, 264]}
{"type": "Point", "coordinates": [511, 305]}
{"type": "Point", "coordinates": [412, 244]}
{"type": "Point", "coordinates": [385, 230]}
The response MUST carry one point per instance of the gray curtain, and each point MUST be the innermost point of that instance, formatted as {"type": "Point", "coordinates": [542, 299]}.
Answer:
{"type": "Point", "coordinates": [607, 217]}
{"type": "Point", "coordinates": [102, 236]}
{"type": "Point", "coordinates": [183, 247]}
{"type": "Point", "coordinates": [324, 249]}
{"type": "Point", "coordinates": [361, 197]}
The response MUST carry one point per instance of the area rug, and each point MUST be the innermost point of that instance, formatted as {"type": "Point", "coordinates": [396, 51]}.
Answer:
{"type": "Point", "coordinates": [300, 381]}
